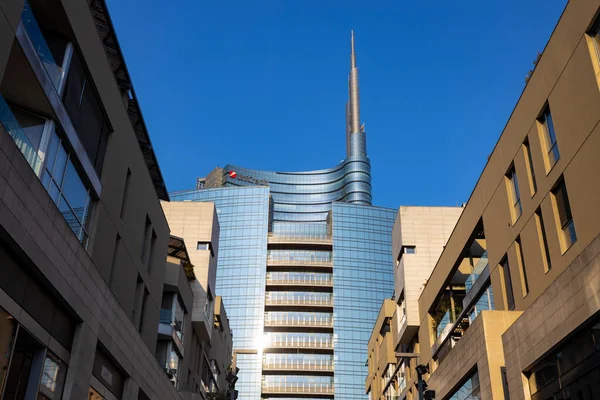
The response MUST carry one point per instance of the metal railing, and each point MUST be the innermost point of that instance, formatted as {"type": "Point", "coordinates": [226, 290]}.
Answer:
{"type": "Point", "coordinates": [301, 343]}
{"type": "Point", "coordinates": [299, 365]}
{"type": "Point", "coordinates": [305, 387]}
{"type": "Point", "coordinates": [305, 279]}
{"type": "Point", "coordinates": [302, 301]}
{"type": "Point", "coordinates": [299, 321]}
{"type": "Point", "coordinates": [299, 257]}
{"type": "Point", "coordinates": [299, 238]}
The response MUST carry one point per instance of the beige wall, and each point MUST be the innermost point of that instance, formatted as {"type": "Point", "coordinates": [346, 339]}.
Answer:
{"type": "Point", "coordinates": [380, 350]}
{"type": "Point", "coordinates": [481, 349]}
{"type": "Point", "coordinates": [427, 228]}
{"type": "Point", "coordinates": [571, 300]}
{"type": "Point", "coordinates": [197, 222]}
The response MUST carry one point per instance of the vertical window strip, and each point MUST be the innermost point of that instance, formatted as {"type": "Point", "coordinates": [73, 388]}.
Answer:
{"type": "Point", "coordinates": [510, 299]}
{"type": "Point", "coordinates": [530, 170]}
{"type": "Point", "coordinates": [549, 139]}
{"type": "Point", "coordinates": [125, 194]}
{"type": "Point", "coordinates": [513, 188]}
{"type": "Point", "coordinates": [564, 217]}
{"type": "Point", "coordinates": [522, 269]}
{"type": "Point", "coordinates": [543, 240]}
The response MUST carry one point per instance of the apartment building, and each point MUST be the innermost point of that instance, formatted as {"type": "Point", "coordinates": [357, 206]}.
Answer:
{"type": "Point", "coordinates": [191, 309]}
{"type": "Point", "coordinates": [83, 236]}
{"type": "Point", "coordinates": [512, 307]}
{"type": "Point", "coordinates": [194, 352]}
{"type": "Point", "coordinates": [418, 238]}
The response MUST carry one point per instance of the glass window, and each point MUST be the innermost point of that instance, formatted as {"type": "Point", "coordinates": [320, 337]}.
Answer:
{"type": "Point", "coordinates": [510, 299]}
{"type": "Point", "coordinates": [515, 195]}
{"type": "Point", "coordinates": [549, 139]}
{"type": "Point", "coordinates": [523, 270]}
{"type": "Point", "coordinates": [410, 249]}
{"type": "Point", "coordinates": [529, 162]}
{"type": "Point", "coordinates": [53, 378]}
{"type": "Point", "coordinates": [469, 390]}
{"type": "Point", "coordinates": [8, 330]}
{"type": "Point", "coordinates": [543, 239]}
{"type": "Point", "coordinates": [565, 218]}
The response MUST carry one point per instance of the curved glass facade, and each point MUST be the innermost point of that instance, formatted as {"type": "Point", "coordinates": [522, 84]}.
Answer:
{"type": "Point", "coordinates": [307, 196]}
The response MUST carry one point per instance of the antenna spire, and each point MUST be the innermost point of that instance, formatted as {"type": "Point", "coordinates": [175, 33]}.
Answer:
{"type": "Point", "coordinates": [354, 97]}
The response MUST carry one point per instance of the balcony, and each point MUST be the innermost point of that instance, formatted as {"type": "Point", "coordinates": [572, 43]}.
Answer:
{"type": "Point", "coordinates": [309, 239]}
{"type": "Point", "coordinates": [313, 366]}
{"type": "Point", "coordinates": [299, 322]}
{"type": "Point", "coordinates": [299, 258]}
{"type": "Point", "coordinates": [293, 302]}
{"type": "Point", "coordinates": [299, 389]}
{"type": "Point", "coordinates": [300, 343]}
{"type": "Point", "coordinates": [306, 280]}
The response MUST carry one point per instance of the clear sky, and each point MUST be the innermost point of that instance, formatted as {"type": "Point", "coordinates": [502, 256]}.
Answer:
{"type": "Point", "coordinates": [263, 84]}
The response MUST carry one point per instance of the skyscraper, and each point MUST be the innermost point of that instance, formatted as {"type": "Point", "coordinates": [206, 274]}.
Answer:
{"type": "Point", "coordinates": [304, 264]}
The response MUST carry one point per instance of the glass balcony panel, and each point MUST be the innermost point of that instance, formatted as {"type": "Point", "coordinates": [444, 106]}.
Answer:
{"type": "Point", "coordinates": [40, 45]}
{"type": "Point", "coordinates": [13, 127]}
{"type": "Point", "coordinates": [166, 316]}
{"type": "Point", "coordinates": [479, 267]}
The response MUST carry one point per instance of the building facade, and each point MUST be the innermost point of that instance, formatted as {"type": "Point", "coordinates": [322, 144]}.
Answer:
{"type": "Point", "coordinates": [418, 238]}
{"type": "Point", "coordinates": [304, 264]}
{"type": "Point", "coordinates": [511, 309]}
{"type": "Point", "coordinates": [195, 341]}
{"type": "Point", "coordinates": [82, 235]}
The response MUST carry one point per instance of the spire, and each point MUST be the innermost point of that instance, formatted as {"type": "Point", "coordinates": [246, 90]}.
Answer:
{"type": "Point", "coordinates": [355, 135]}
{"type": "Point", "coordinates": [354, 98]}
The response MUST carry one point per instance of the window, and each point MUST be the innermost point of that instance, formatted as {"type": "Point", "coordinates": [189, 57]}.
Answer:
{"type": "Point", "coordinates": [543, 240]}
{"type": "Point", "coordinates": [203, 246]}
{"type": "Point", "coordinates": [114, 259]}
{"type": "Point", "coordinates": [522, 269]}
{"type": "Point", "coordinates": [530, 170]}
{"type": "Point", "coordinates": [514, 194]}
{"type": "Point", "coordinates": [125, 194]}
{"type": "Point", "coordinates": [565, 219]}
{"type": "Point", "coordinates": [53, 377]}
{"type": "Point", "coordinates": [152, 250]}
{"type": "Point", "coordinates": [86, 112]}
{"type": "Point", "coordinates": [409, 249]}
{"type": "Point", "coordinates": [146, 239]}
{"type": "Point", "coordinates": [510, 299]}
{"type": "Point", "coordinates": [549, 139]}
{"type": "Point", "coordinates": [469, 390]}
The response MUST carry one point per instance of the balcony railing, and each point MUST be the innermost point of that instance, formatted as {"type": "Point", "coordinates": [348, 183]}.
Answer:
{"type": "Point", "coordinates": [41, 46]}
{"type": "Point", "coordinates": [298, 365]}
{"type": "Point", "coordinates": [301, 343]}
{"type": "Point", "coordinates": [301, 301]}
{"type": "Point", "coordinates": [479, 267]}
{"type": "Point", "coordinates": [299, 321]}
{"type": "Point", "coordinates": [299, 257]}
{"type": "Point", "coordinates": [305, 387]}
{"type": "Point", "coordinates": [309, 280]}
{"type": "Point", "coordinates": [299, 238]}
{"type": "Point", "coordinates": [12, 126]}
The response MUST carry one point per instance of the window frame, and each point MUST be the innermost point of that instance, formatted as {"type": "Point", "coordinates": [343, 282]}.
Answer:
{"type": "Point", "coordinates": [548, 138]}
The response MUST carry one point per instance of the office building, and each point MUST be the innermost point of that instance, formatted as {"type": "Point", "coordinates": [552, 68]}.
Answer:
{"type": "Point", "coordinates": [418, 238]}
{"type": "Point", "coordinates": [512, 309]}
{"type": "Point", "coordinates": [304, 263]}
{"type": "Point", "coordinates": [83, 237]}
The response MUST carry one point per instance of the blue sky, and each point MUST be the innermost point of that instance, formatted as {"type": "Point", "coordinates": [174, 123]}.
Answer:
{"type": "Point", "coordinates": [263, 85]}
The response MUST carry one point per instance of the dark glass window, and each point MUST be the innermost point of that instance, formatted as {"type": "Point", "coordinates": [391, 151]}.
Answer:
{"type": "Point", "coordinates": [567, 226]}
{"type": "Point", "coordinates": [510, 298]}
{"type": "Point", "coordinates": [543, 238]}
{"type": "Point", "coordinates": [86, 112]}
{"type": "Point", "coordinates": [549, 139]}
{"type": "Point", "coordinates": [530, 169]}
{"type": "Point", "coordinates": [513, 189]}
{"type": "Point", "coordinates": [523, 270]}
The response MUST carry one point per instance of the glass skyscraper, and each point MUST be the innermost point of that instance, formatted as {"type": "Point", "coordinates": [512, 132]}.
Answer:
{"type": "Point", "coordinates": [305, 262]}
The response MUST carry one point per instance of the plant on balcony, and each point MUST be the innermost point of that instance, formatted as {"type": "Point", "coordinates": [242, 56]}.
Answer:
{"type": "Point", "coordinates": [222, 395]}
{"type": "Point", "coordinates": [188, 268]}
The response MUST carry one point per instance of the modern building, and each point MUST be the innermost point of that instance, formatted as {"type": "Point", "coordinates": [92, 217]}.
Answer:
{"type": "Point", "coordinates": [512, 307]}
{"type": "Point", "coordinates": [83, 236]}
{"type": "Point", "coordinates": [194, 340]}
{"type": "Point", "coordinates": [84, 287]}
{"type": "Point", "coordinates": [197, 345]}
{"type": "Point", "coordinates": [304, 264]}
{"type": "Point", "coordinates": [418, 238]}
